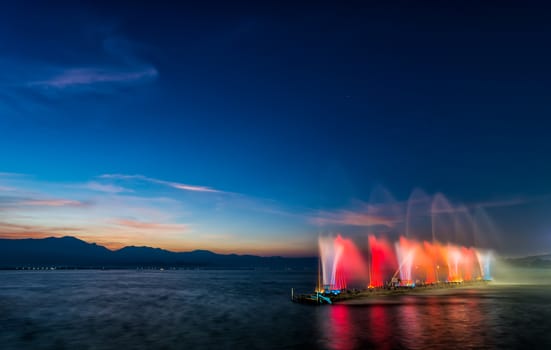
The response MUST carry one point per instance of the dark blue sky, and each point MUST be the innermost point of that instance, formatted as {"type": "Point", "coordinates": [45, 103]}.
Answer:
{"type": "Point", "coordinates": [307, 105]}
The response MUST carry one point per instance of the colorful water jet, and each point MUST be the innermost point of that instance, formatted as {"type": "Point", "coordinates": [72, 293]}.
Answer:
{"type": "Point", "coordinates": [382, 260]}
{"type": "Point", "coordinates": [341, 262]}
{"type": "Point", "coordinates": [413, 263]}
{"type": "Point", "coordinates": [435, 242]}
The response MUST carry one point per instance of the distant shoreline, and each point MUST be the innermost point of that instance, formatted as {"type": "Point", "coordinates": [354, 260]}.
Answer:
{"type": "Point", "coordinates": [161, 269]}
{"type": "Point", "coordinates": [71, 253]}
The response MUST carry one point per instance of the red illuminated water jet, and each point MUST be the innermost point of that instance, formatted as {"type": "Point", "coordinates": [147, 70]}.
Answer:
{"type": "Point", "coordinates": [406, 263]}
{"type": "Point", "coordinates": [341, 262]}
{"type": "Point", "coordinates": [382, 259]}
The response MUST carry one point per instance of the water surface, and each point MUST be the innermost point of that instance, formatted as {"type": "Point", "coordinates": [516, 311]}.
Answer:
{"type": "Point", "coordinates": [196, 309]}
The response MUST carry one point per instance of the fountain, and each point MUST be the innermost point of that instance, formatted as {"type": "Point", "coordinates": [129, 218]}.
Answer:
{"type": "Point", "coordinates": [382, 260]}
{"type": "Point", "coordinates": [433, 245]}
{"type": "Point", "coordinates": [330, 255]}
{"type": "Point", "coordinates": [341, 261]}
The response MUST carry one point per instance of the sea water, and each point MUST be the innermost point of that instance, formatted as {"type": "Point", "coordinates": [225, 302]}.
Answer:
{"type": "Point", "coordinates": [203, 309]}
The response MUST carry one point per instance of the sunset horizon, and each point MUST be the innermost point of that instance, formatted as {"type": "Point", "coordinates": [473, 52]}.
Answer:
{"type": "Point", "coordinates": [116, 210]}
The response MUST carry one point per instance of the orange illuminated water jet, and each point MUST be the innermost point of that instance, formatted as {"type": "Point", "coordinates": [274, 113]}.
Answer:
{"type": "Point", "coordinates": [410, 263]}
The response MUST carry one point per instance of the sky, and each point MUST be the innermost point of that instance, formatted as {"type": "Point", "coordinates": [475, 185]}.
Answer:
{"type": "Point", "coordinates": [254, 127]}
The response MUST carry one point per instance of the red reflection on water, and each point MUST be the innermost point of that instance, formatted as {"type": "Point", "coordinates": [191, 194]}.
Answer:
{"type": "Point", "coordinates": [380, 326]}
{"type": "Point", "coordinates": [411, 327]}
{"type": "Point", "coordinates": [450, 320]}
{"type": "Point", "coordinates": [422, 322]}
{"type": "Point", "coordinates": [342, 336]}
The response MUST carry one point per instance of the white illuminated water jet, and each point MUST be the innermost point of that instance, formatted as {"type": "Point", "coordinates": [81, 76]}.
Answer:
{"type": "Point", "coordinates": [484, 262]}
{"type": "Point", "coordinates": [405, 257]}
{"type": "Point", "coordinates": [330, 254]}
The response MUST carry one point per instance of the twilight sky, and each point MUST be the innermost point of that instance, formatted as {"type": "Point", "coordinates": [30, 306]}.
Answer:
{"type": "Point", "coordinates": [249, 128]}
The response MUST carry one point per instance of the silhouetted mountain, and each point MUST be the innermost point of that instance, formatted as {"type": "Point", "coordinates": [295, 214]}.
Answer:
{"type": "Point", "coordinates": [72, 252]}
{"type": "Point", "coordinates": [53, 251]}
{"type": "Point", "coordinates": [531, 261]}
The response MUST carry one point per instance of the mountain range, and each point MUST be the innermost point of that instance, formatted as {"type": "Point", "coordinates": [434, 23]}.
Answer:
{"type": "Point", "coordinates": [543, 260]}
{"type": "Point", "coordinates": [75, 253]}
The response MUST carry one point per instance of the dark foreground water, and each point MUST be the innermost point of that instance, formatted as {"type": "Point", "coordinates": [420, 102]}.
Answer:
{"type": "Point", "coordinates": [251, 309]}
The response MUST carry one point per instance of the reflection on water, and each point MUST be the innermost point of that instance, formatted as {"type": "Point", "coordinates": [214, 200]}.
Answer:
{"type": "Point", "coordinates": [338, 329]}
{"type": "Point", "coordinates": [379, 323]}
{"type": "Point", "coordinates": [251, 309]}
{"type": "Point", "coordinates": [459, 319]}
{"type": "Point", "coordinates": [410, 326]}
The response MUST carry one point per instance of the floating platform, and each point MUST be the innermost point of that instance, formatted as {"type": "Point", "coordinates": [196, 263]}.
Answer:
{"type": "Point", "coordinates": [335, 296]}
{"type": "Point", "coordinates": [316, 298]}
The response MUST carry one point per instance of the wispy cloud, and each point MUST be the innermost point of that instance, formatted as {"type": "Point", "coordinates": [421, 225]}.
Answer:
{"type": "Point", "coordinates": [85, 76]}
{"type": "Point", "coordinates": [29, 84]}
{"type": "Point", "coordinates": [96, 211]}
{"type": "Point", "coordinates": [14, 230]}
{"type": "Point", "coordinates": [351, 218]}
{"type": "Point", "coordinates": [177, 185]}
{"type": "Point", "coordinates": [53, 203]}
{"type": "Point", "coordinates": [7, 174]}
{"type": "Point", "coordinates": [185, 187]}
{"type": "Point", "coordinates": [108, 188]}
{"type": "Point", "coordinates": [152, 226]}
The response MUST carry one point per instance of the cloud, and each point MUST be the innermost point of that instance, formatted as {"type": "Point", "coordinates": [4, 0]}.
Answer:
{"type": "Point", "coordinates": [53, 203]}
{"type": "Point", "coordinates": [123, 67]}
{"type": "Point", "coordinates": [11, 175]}
{"type": "Point", "coordinates": [112, 217]}
{"type": "Point", "coordinates": [86, 76]}
{"type": "Point", "coordinates": [351, 218]}
{"type": "Point", "coordinates": [176, 185]}
{"type": "Point", "coordinates": [151, 226]}
{"type": "Point", "coordinates": [108, 188]}
{"type": "Point", "coordinates": [188, 187]}
{"type": "Point", "coordinates": [31, 84]}
{"type": "Point", "coordinates": [13, 231]}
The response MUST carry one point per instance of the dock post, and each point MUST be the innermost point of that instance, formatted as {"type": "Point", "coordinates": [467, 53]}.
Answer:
{"type": "Point", "coordinates": [292, 293]}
